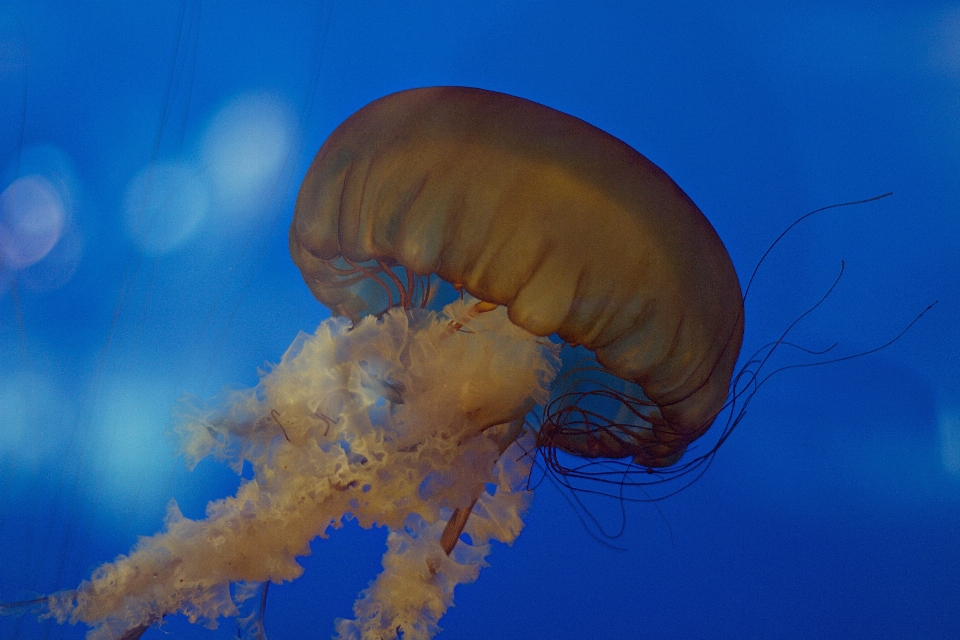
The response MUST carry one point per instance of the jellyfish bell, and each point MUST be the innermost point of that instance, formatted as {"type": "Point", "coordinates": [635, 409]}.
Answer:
{"type": "Point", "coordinates": [571, 229]}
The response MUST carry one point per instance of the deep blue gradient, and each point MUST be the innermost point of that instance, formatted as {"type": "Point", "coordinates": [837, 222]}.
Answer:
{"type": "Point", "coordinates": [832, 512]}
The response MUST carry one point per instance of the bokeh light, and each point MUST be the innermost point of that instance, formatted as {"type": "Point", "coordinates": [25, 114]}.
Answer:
{"type": "Point", "coordinates": [32, 218]}
{"type": "Point", "coordinates": [164, 205]}
{"type": "Point", "coordinates": [243, 152]}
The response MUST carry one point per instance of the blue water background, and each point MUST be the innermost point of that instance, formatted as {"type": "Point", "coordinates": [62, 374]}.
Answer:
{"type": "Point", "coordinates": [832, 512]}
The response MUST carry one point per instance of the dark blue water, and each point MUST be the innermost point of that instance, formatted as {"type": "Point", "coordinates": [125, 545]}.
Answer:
{"type": "Point", "coordinates": [832, 512]}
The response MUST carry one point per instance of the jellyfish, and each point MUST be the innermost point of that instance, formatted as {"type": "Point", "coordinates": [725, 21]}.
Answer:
{"type": "Point", "coordinates": [571, 229]}
{"type": "Point", "coordinates": [404, 412]}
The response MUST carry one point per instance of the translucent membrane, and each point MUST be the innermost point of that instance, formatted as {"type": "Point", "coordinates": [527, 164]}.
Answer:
{"type": "Point", "coordinates": [394, 422]}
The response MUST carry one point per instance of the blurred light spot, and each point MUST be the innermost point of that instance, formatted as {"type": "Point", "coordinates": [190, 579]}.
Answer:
{"type": "Point", "coordinates": [132, 452]}
{"type": "Point", "coordinates": [164, 204]}
{"type": "Point", "coordinates": [244, 150]}
{"type": "Point", "coordinates": [58, 267]}
{"type": "Point", "coordinates": [28, 401]}
{"type": "Point", "coordinates": [31, 220]}
{"type": "Point", "coordinates": [950, 442]}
